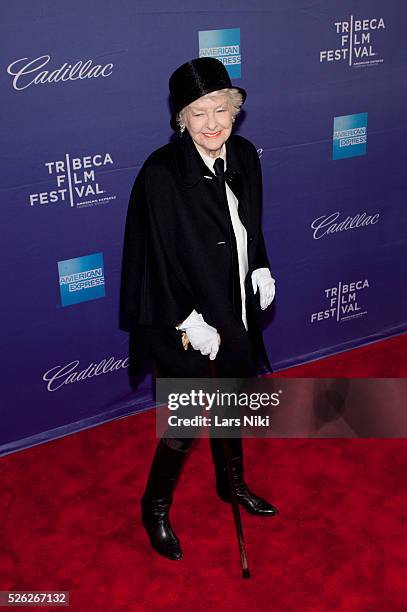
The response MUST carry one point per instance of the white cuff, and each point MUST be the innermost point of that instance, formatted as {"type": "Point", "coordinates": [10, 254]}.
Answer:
{"type": "Point", "coordinates": [262, 273]}
{"type": "Point", "coordinates": [192, 319]}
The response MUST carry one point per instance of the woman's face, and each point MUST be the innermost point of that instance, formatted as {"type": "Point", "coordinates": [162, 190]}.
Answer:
{"type": "Point", "coordinates": [209, 122]}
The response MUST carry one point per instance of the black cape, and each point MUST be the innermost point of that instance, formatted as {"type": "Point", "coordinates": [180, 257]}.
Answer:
{"type": "Point", "coordinates": [177, 250]}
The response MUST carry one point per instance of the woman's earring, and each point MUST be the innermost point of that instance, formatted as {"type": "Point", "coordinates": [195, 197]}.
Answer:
{"type": "Point", "coordinates": [182, 129]}
{"type": "Point", "coordinates": [233, 119]}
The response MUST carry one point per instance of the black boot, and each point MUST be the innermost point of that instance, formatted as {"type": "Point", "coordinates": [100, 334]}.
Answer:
{"type": "Point", "coordinates": [157, 499]}
{"type": "Point", "coordinates": [251, 502]}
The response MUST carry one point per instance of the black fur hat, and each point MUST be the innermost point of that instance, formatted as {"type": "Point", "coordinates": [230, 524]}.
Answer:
{"type": "Point", "coordinates": [195, 79]}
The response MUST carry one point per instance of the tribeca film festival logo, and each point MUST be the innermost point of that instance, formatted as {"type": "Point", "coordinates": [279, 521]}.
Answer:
{"type": "Point", "coordinates": [342, 302]}
{"type": "Point", "coordinates": [349, 136]}
{"type": "Point", "coordinates": [326, 225]}
{"type": "Point", "coordinates": [59, 376]}
{"type": "Point", "coordinates": [28, 72]}
{"type": "Point", "coordinates": [224, 45]}
{"type": "Point", "coordinates": [356, 39]}
{"type": "Point", "coordinates": [81, 279]}
{"type": "Point", "coordinates": [75, 182]}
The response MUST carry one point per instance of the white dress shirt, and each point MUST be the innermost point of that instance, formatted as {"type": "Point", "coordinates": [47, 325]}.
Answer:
{"type": "Point", "coordinates": [238, 228]}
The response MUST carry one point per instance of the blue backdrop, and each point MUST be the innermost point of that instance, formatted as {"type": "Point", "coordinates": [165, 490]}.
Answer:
{"type": "Point", "coordinates": [85, 101]}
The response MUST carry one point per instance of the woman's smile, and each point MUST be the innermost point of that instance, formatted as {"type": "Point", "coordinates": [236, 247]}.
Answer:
{"type": "Point", "coordinates": [211, 135]}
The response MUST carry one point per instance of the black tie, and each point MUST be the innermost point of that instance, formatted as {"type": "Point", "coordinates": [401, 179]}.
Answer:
{"type": "Point", "coordinates": [219, 169]}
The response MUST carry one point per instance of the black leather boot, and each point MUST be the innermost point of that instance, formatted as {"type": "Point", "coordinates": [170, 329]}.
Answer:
{"type": "Point", "coordinates": [157, 499]}
{"type": "Point", "coordinates": [251, 502]}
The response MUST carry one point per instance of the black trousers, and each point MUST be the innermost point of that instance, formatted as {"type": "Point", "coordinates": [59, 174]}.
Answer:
{"type": "Point", "coordinates": [171, 360]}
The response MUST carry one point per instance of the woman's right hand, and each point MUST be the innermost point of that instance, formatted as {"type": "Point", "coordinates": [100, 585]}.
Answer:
{"type": "Point", "coordinates": [203, 337]}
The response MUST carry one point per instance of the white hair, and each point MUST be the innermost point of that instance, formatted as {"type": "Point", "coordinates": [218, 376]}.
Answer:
{"type": "Point", "coordinates": [235, 98]}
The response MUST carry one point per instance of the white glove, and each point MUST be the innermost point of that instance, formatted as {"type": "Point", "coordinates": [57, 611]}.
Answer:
{"type": "Point", "coordinates": [262, 280]}
{"type": "Point", "coordinates": [203, 337]}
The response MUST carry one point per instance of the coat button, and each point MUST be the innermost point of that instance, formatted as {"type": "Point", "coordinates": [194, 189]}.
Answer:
{"type": "Point", "coordinates": [250, 238]}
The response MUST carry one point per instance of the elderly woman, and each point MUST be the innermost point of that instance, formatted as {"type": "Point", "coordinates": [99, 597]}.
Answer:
{"type": "Point", "coordinates": [195, 264]}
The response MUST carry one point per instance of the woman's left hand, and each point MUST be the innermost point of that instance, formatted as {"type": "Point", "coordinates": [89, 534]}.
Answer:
{"type": "Point", "coordinates": [265, 283]}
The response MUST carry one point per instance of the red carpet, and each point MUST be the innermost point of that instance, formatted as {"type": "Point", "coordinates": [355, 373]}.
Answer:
{"type": "Point", "coordinates": [70, 519]}
{"type": "Point", "coordinates": [386, 359]}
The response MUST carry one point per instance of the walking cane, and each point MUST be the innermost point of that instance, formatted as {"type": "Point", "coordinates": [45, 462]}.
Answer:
{"type": "Point", "coordinates": [235, 503]}
{"type": "Point", "coordinates": [228, 461]}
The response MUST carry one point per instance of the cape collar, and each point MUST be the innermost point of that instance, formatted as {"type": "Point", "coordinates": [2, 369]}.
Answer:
{"type": "Point", "coordinates": [210, 161]}
{"type": "Point", "coordinates": [192, 167]}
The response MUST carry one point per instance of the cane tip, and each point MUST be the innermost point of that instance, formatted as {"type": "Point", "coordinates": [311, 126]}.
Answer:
{"type": "Point", "coordinates": [246, 573]}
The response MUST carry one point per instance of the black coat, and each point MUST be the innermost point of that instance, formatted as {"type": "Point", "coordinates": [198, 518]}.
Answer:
{"type": "Point", "coordinates": [177, 249]}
